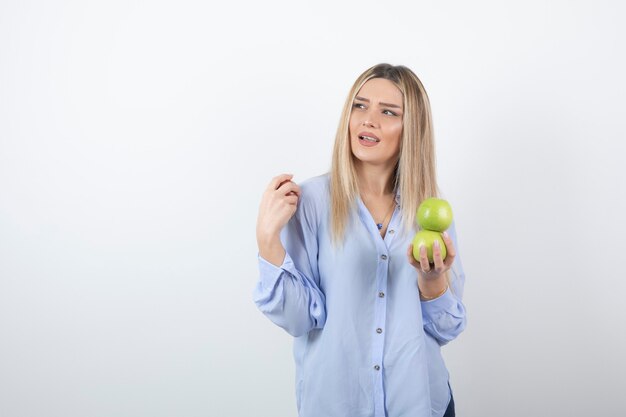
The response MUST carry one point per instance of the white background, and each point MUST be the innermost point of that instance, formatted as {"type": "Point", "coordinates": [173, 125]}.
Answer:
{"type": "Point", "coordinates": [136, 138]}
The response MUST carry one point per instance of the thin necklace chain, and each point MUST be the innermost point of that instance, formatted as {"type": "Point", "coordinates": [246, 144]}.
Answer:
{"type": "Point", "coordinates": [389, 211]}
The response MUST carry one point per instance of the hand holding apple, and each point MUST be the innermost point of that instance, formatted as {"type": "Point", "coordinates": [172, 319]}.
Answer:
{"type": "Point", "coordinates": [427, 239]}
{"type": "Point", "coordinates": [431, 255]}
{"type": "Point", "coordinates": [439, 266]}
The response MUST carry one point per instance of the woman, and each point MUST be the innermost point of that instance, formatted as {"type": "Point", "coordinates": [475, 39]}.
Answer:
{"type": "Point", "coordinates": [337, 270]}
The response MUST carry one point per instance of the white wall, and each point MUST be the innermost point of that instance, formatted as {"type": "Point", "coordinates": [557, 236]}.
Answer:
{"type": "Point", "coordinates": [136, 139]}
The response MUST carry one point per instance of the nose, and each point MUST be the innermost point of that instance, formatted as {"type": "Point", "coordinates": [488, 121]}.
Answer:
{"type": "Point", "coordinates": [369, 119]}
{"type": "Point", "coordinates": [367, 122]}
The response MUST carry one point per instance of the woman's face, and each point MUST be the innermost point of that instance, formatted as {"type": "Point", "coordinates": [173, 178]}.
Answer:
{"type": "Point", "coordinates": [376, 122]}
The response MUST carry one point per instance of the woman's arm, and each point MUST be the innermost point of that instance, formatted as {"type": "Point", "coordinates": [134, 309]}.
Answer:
{"type": "Point", "coordinates": [443, 312]}
{"type": "Point", "coordinates": [288, 288]}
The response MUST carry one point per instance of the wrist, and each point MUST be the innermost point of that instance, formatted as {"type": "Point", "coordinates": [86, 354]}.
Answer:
{"type": "Point", "coordinates": [266, 236]}
{"type": "Point", "coordinates": [432, 288]}
{"type": "Point", "coordinates": [424, 297]}
{"type": "Point", "coordinates": [267, 239]}
{"type": "Point", "coordinates": [271, 249]}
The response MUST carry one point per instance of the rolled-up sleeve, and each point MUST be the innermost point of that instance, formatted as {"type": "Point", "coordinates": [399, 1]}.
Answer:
{"type": "Point", "coordinates": [288, 298]}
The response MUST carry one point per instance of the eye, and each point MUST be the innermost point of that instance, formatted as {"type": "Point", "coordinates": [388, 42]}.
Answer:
{"type": "Point", "coordinates": [356, 105]}
{"type": "Point", "coordinates": [391, 113]}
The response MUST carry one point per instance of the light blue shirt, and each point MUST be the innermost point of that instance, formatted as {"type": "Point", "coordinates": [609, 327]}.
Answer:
{"type": "Point", "coordinates": [364, 343]}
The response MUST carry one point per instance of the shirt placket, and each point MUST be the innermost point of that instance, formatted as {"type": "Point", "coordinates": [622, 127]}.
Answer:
{"type": "Point", "coordinates": [378, 343]}
{"type": "Point", "coordinates": [380, 309]}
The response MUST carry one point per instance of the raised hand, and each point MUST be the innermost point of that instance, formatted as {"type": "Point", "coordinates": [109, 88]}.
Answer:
{"type": "Point", "coordinates": [278, 205]}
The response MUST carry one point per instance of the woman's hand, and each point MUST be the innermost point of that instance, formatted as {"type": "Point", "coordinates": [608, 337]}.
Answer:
{"type": "Point", "coordinates": [432, 276]}
{"type": "Point", "coordinates": [278, 205]}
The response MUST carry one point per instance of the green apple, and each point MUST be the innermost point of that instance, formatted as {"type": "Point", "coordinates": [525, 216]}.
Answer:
{"type": "Point", "coordinates": [434, 214]}
{"type": "Point", "coordinates": [427, 238]}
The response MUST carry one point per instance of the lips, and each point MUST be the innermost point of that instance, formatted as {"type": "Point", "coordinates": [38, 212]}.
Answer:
{"type": "Point", "coordinates": [368, 135]}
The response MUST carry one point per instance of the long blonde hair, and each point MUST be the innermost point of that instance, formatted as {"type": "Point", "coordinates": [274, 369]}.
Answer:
{"type": "Point", "coordinates": [415, 174]}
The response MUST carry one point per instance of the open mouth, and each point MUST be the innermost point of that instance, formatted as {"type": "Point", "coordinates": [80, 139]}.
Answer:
{"type": "Point", "coordinates": [369, 139]}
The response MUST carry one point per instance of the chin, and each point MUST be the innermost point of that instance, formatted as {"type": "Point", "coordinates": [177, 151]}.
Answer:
{"type": "Point", "coordinates": [367, 159]}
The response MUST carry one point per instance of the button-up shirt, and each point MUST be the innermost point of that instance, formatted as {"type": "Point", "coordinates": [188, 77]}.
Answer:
{"type": "Point", "coordinates": [364, 343]}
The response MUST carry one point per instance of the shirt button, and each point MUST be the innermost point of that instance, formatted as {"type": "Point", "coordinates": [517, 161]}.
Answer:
{"type": "Point", "coordinates": [377, 367]}
{"type": "Point", "coordinates": [381, 294]}
{"type": "Point", "coordinates": [379, 330]}
{"type": "Point", "coordinates": [383, 257]}
{"type": "Point", "coordinates": [391, 232]}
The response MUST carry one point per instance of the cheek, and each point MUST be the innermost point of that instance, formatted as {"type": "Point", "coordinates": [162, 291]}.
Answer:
{"type": "Point", "coordinates": [395, 131]}
{"type": "Point", "coordinates": [354, 122]}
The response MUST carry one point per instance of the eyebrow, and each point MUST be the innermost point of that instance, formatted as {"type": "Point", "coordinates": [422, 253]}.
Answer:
{"type": "Point", "coordinates": [381, 103]}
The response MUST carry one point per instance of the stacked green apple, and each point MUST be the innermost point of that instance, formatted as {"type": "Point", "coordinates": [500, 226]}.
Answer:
{"type": "Point", "coordinates": [434, 216]}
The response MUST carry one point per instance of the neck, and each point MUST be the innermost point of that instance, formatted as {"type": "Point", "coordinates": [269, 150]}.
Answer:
{"type": "Point", "coordinates": [374, 180]}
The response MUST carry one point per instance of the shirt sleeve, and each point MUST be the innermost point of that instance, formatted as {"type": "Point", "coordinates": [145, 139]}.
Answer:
{"type": "Point", "coordinates": [444, 317]}
{"type": "Point", "coordinates": [289, 294]}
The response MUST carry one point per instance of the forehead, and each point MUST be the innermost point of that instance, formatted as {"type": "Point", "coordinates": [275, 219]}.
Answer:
{"type": "Point", "coordinates": [380, 89]}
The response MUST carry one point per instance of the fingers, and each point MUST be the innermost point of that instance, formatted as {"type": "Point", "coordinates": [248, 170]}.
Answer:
{"type": "Point", "coordinates": [278, 204]}
{"type": "Point", "coordinates": [278, 180]}
{"type": "Point", "coordinates": [450, 249]}
{"type": "Point", "coordinates": [439, 265]}
{"type": "Point", "coordinates": [291, 199]}
{"type": "Point", "coordinates": [283, 183]}
{"type": "Point", "coordinates": [283, 189]}
{"type": "Point", "coordinates": [412, 261]}
{"type": "Point", "coordinates": [288, 188]}
{"type": "Point", "coordinates": [425, 265]}
{"type": "Point", "coordinates": [419, 265]}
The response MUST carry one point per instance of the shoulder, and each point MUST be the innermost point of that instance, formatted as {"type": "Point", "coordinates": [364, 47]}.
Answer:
{"type": "Point", "coordinates": [314, 198]}
{"type": "Point", "coordinates": [315, 188]}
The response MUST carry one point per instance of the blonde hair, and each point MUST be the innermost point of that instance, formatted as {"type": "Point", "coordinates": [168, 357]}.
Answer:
{"type": "Point", "coordinates": [415, 173]}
